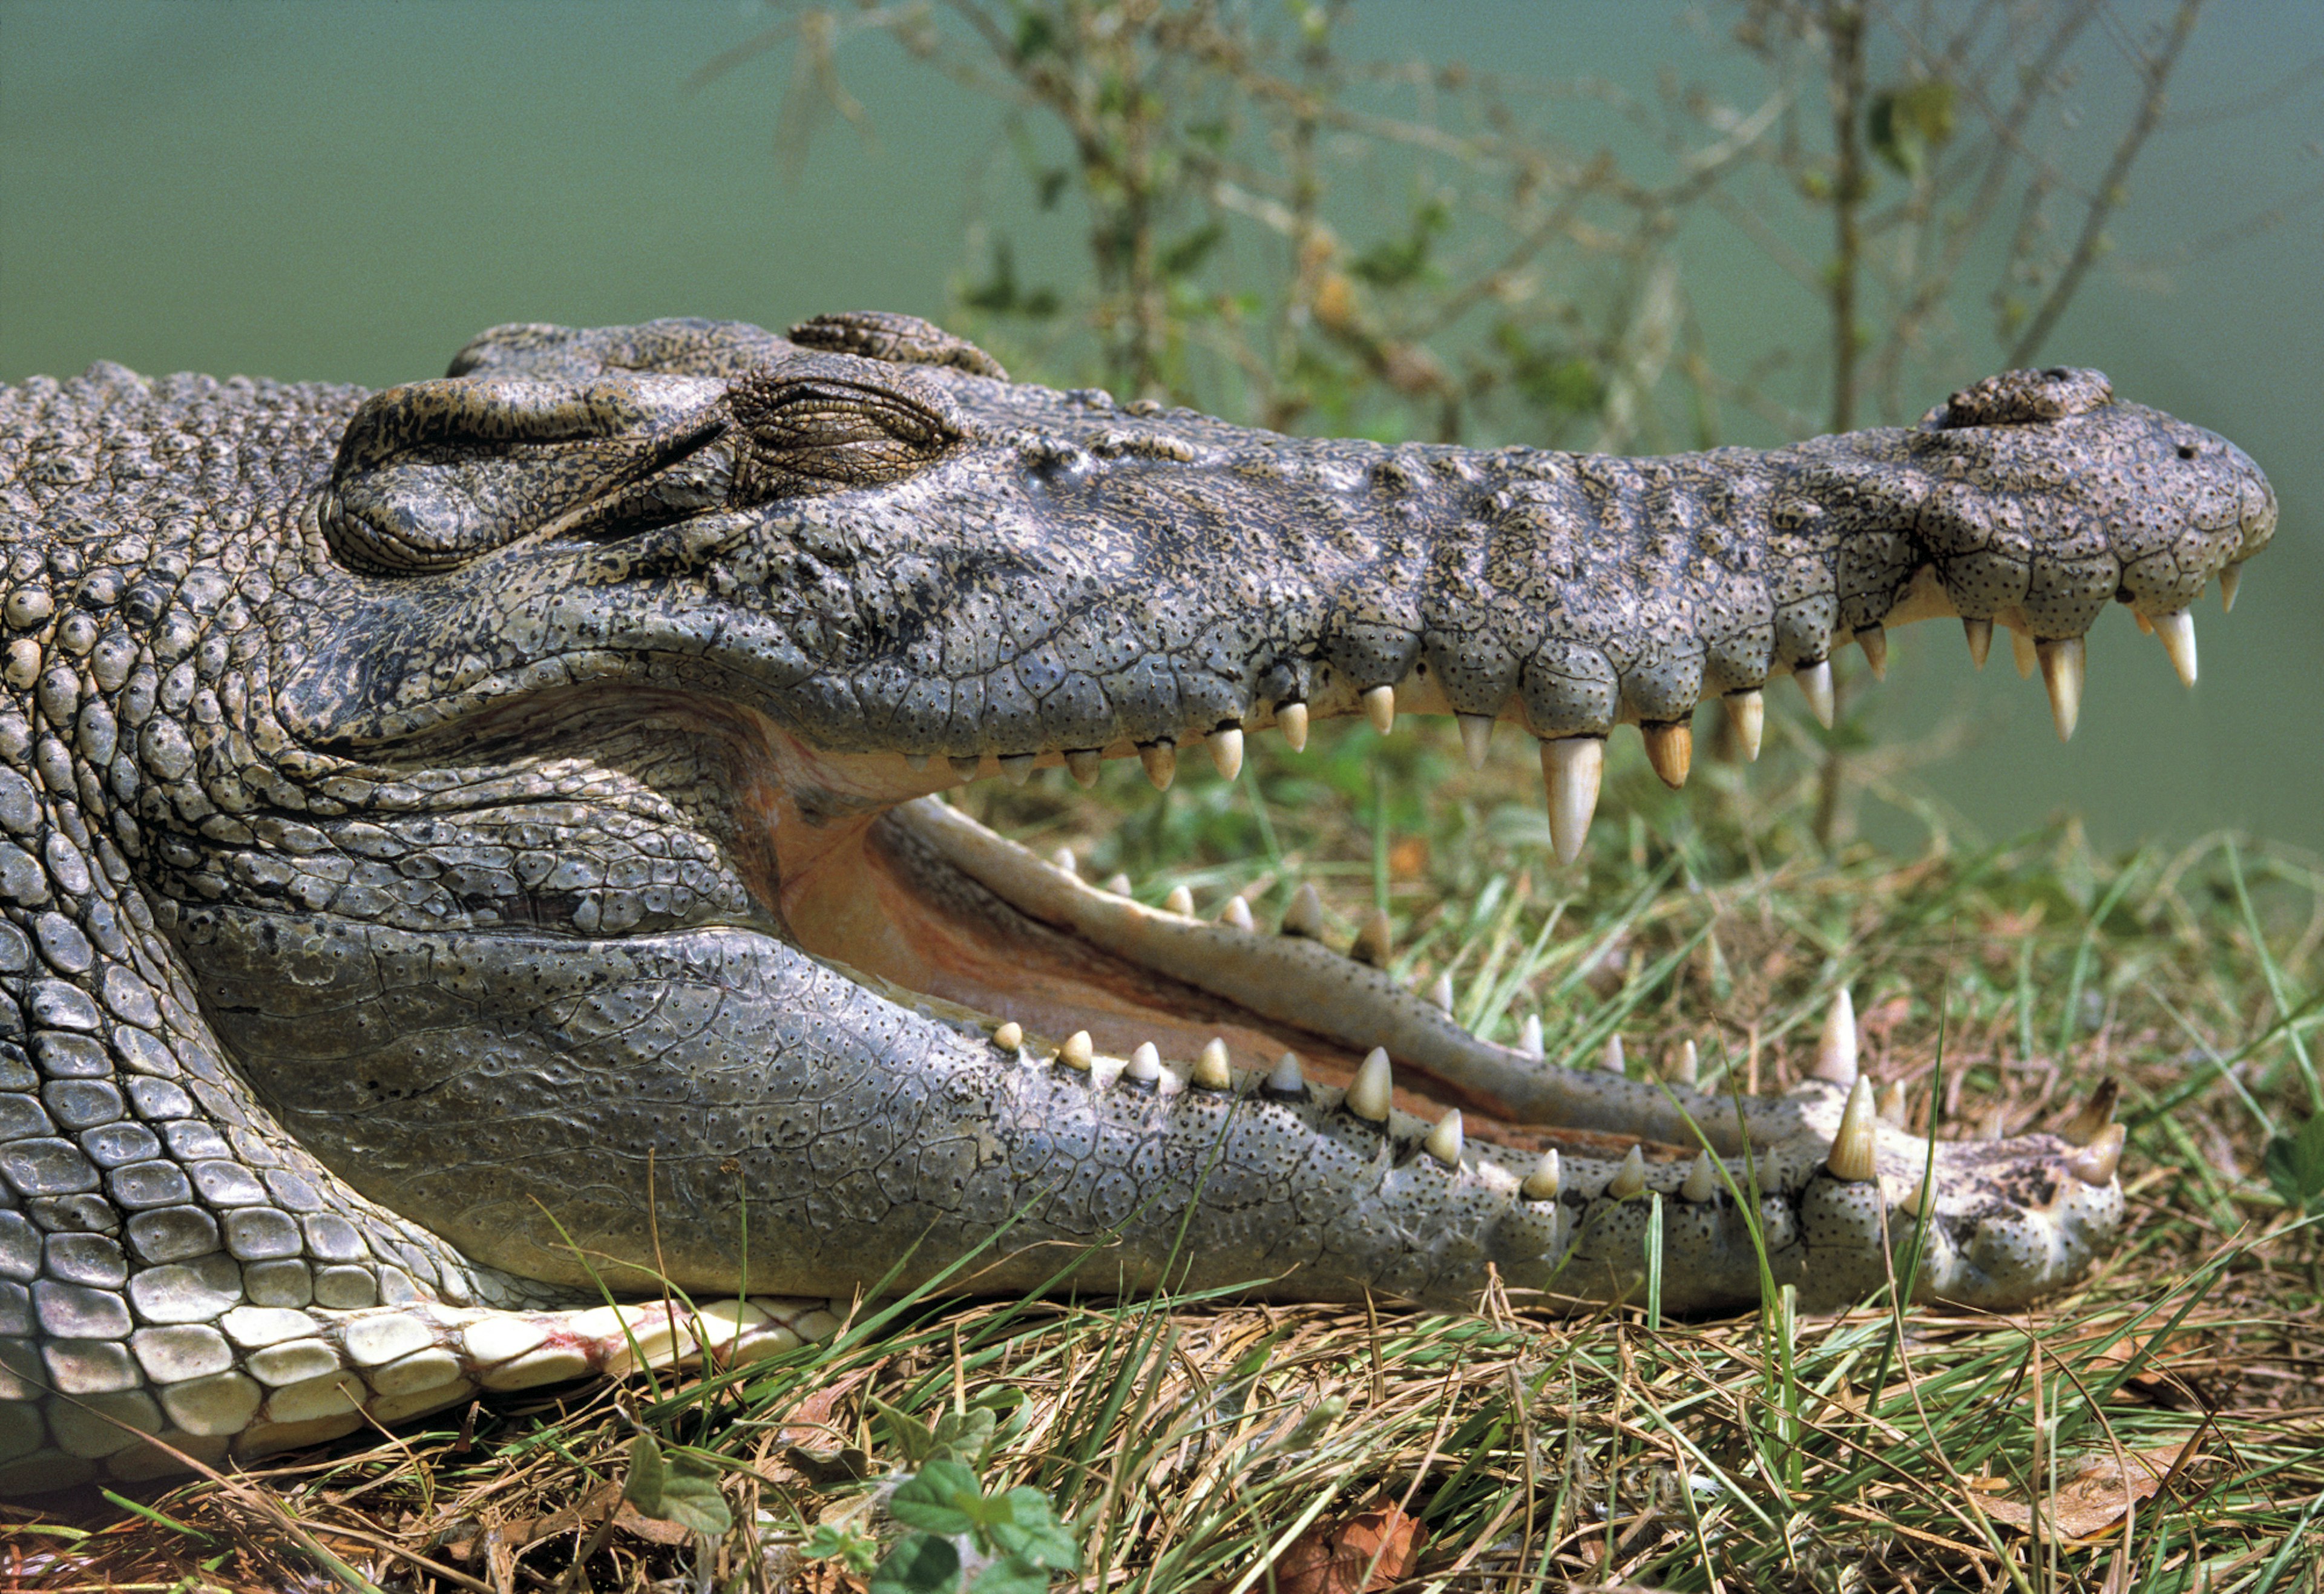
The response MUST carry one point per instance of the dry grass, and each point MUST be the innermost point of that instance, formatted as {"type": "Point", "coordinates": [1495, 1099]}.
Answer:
{"type": "Point", "coordinates": [2162, 1428]}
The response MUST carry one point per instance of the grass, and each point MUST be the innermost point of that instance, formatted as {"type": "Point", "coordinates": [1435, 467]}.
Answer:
{"type": "Point", "coordinates": [1191, 1441]}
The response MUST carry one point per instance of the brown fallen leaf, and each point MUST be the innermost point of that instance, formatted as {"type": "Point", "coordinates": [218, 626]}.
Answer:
{"type": "Point", "coordinates": [1332, 1559]}
{"type": "Point", "coordinates": [2099, 1495]}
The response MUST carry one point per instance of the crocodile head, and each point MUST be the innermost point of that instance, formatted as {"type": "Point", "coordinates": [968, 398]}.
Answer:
{"type": "Point", "coordinates": [616, 673]}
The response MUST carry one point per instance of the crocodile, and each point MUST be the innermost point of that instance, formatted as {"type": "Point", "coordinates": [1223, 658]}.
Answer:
{"type": "Point", "coordinates": [478, 906]}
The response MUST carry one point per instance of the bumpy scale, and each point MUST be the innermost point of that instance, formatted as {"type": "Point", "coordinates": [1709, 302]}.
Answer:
{"type": "Point", "coordinates": [448, 833]}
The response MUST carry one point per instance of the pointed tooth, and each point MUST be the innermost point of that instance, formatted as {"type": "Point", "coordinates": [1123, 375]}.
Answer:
{"type": "Point", "coordinates": [1237, 914]}
{"type": "Point", "coordinates": [1890, 1105]}
{"type": "Point", "coordinates": [1836, 1048]}
{"type": "Point", "coordinates": [2177, 629]}
{"type": "Point", "coordinates": [2063, 664]}
{"type": "Point", "coordinates": [1180, 901]}
{"type": "Point", "coordinates": [1145, 1064]}
{"type": "Point", "coordinates": [2145, 626]}
{"type": "Point", "coordinates": [1066, 861]}
{"type": "Point", "coordinates": [966, 766]}
{"type": "Point", "coordinates": [1009, 1036]}
{"type": "Point", "coordinates": [1669, 748]}
{"type": "Point", "coordinates": [916, 762]}
{"type": "Point", "coordinates": [1210, 1070]}
{"type": "Point", "coordinates": [2095, 1163]}
{"type": "Point", "coordinates": [1916, 1198]}
{"type": "Point", "coordinates": [1380, 708]}
{"type": "Point", "coordinates": [1161, 762]}
{"type": "Point", "coordinates": [1548, 1174]}
{"type": "Point", "coordinates": [1285, 1078]}
{"type": "Point", "coordinates": [1701, 1179]}
{"type": "Point", "coordinates": [1476, 737]}
{"type": "Point", "coordinates": [1572, 768]}
{"type": "Point", "coordinates": [1374, 941]}
{"type": "Point", "coordinates": [1119, 885]}
{"type": "Point", "coordinates": [2086, 1126]}
{"type": "Point", "coordinates": [1874, 640]}
{"type": "Point", "coordinates": [1016, 767]}
{"type": "Point", "coordinates": [1373, 1091]}
{"type": "Point", "coordinates": [1747, 711]}
{"type": "Point", "coordinates": [1815, 685]}
{"type": "Point", "coordinates": [1440, 995]}
{"type": "Point", "coordinates": [1612, 1059]}
{"type": "Point", "coordinates": [1851, 1146]}
{"type": "Point", "coordinates": [1979, 633]}
{"type": "Point", "coordinates": [1084, 764]}
{"type": "Point", "coordinates": [1226, 751]}
{"type": "Point", "coordinates": [1630, 1178]}
{"type": "Point", "coordinates": [2022, 653]}
{"type": "Point", "coordinates": [1291, 719]}
{"type": "Point", "coordinates": [1079, 1051]}
{"type": "Point", "coordinates": [1443, 1142]}
{"type": "Point", "coordinates": [1686, 1067]}
{"type": "Point", "coordinates": [1529, 1036]}
{"type": "Point", "coordinates": [2230, 578]}
{"type": "Point", "coordinates": [1305, 916]}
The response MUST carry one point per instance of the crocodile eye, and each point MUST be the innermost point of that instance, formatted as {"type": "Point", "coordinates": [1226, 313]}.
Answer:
{"type": "Point", "coordinates": [822, 433]}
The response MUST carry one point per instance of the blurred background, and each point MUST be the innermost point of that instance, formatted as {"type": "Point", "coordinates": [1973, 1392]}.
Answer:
{"type": "Point", "coordinates": [1627, 225]}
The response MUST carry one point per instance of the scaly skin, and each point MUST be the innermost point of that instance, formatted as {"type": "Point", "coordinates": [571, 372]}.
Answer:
{"type": "Point", "coordinates": [467, 846]}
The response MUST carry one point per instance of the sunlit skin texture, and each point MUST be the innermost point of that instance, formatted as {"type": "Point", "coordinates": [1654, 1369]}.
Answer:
{"type": "Point", "coordinates": [458, 849]}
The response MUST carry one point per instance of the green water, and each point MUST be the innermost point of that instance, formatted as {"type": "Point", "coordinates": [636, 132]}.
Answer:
{"type": "Point", "coordinates": [320, 188]}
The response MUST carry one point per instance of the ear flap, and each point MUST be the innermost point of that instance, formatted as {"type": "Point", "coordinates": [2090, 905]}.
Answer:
{"type": "Point", "coordinates": [434, 474]}
{"type": "Point", "coordinates": [2023, 397]}
{"type": "Point", "coordinates": [901, 340]}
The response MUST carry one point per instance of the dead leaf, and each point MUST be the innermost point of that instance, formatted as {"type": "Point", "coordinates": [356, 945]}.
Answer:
{"type": "Point", "coordinates": [1332, 1559]}
{"type": "Point", "coordinates": [2099, 1495]}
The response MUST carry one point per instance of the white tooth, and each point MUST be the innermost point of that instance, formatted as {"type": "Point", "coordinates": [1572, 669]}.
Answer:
{"type": "Point", "coordinates": [1379, 707]}
{"type": "Point", "coordinates": [1161, 762]}
{"type": "Point", "coordinates": [1915, 1198]}
{"type": "Point", "coordinates": [1291, 719]}
{"type": "Point", "coordinates": [2096, 1113]}
{"type": "Point", "coordinates": [1836, 1049]}
{"type": "Point", "coordinates": [1687, 1067]}
{"type": "Point", "coordinates": [1226, 751]}
{"type": "Point", "coordinates": [1305, 916]}
{"type": "Point", "coordinates": [1441, 993]}
{"type": "Point", "coordinates": [1119, 885]}
{"type": "Point", "coordinates": [1180, 901]}
{"type": "Point", "coordinates": [1285, 1078]}
{"type": "Point", "coordinates": [1747, 711]}
{"type": "Point", "coordinates": [1375, 940]}
{"type": "Point", "coordinates": [1701, 1179]}
{"type": "Point", "coordinates": [966, 766]}
{"type": "Point", "coordinates": [2063, 664]}
{"type": "Point", "coordinates": [1237, 914]}
{"type": "Point", "coordinates": [1084, 764]}
{"type": "Point", "coordinates": [1815, 685]}
{"type": "Point", "coordinates": [1630, 1178]}
{"type": "Point", "coordinates": [2177, 629]}
{"type": "Point", "coordinates": [1542, 1183]}
{"type": "Point", "coordinates": [916, 762]}
{"type": "Point", "coordinates": [1145, 1064]}
{"type": "Point", "coordinates": [1979, 633]}
{"type": "Point", "coordinates": [2095, 1163]}
{"type": "Point", "coordinates": [1443, 1142]}
{"type": "Point", "coordinates": [1669, 748]}
{"type": "Point", "coordinates": [1079, 1051]}
{"type": "Point", "coordinates": [1017, 768]}
{"type": "Point", "coordinates": [1891, 1105]}
{"type": "Point", "coordinates": [2022, 653]}
{"type": "Point", "coordinates": [1009, 1036]}
{"type": "Point", "coordinates": [1875, 643]}
{"type": "Point", "coordinates": [1476, 737]}
{"type": "Point", "coordinates": [1570, 767]}
{"type": "Point", "coordinates": [2145, 626]}
{"type": "Point", "coordinates": [1210, 1070]}
{"type": "Point", "coordinates": [1064, 860]}
{"type": "Point", "coordinates": [1611, 1059]}
{"type": "Point", "coordinates": [2230, 578]}
{"type": "Point", "coordinates": [1851, 1146]}
{"type": "Point", "coordinates": [1374, 1091]}
{"type": "Point", "coordinates": [1529, 1036]}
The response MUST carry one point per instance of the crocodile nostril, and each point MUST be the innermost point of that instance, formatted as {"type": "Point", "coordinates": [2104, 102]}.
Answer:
{"type": "Point", "coordinates": [2188, 450]}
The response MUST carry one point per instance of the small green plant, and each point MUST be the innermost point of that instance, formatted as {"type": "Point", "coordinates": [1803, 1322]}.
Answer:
{"type": "Point", "coordinates": [678, 1488]}
{"type": "Point", "coordinates": [2295, 1167]}
{"type": "Point", "coordinates": [1004, 1542]}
